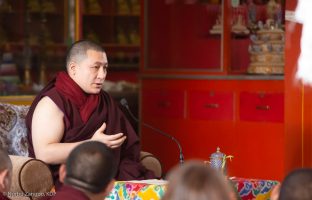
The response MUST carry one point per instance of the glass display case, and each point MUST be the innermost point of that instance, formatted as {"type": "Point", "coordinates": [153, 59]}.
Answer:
{"type": "Point", "coordinates": [230, 36]}
{"type": "Point", "coordinates": [257, 36]}
{"type": "Point", "coordinates": [183, 34]}
{"type": "Point", "coordinates": [33, 43]}
{"type": "Point", "coordinates": [35, 34]}
{"type": "Point", "coordinates": [116, 25]}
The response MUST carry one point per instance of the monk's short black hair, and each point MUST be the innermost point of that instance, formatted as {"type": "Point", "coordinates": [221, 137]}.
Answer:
{"type": "Point", "coordinates": [297, 185]}
{"type": "Point", "coordinates": [90, 166]}
{"type": "Point", "coordinates": [78, 50]}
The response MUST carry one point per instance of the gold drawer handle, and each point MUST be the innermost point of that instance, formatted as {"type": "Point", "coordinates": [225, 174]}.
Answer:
{"type": "Point", "coordinates": [263, 107]}
{"type": "Point", "coordinates": [212, 105]}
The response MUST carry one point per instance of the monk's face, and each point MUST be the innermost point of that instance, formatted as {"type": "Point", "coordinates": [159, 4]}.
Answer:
{"type": "Point", "coordinates": [90, 73]}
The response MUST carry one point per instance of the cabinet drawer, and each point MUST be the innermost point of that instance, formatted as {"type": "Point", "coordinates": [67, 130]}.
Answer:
{"type": "Point", "coordinates": [262, 106]}
{"type": "Point", "coordinates": [168, 103]}
{"type": "Point", "coordinates": [209, 105]}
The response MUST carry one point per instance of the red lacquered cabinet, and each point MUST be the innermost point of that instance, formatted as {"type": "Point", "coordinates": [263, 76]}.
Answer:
{"type": "Point", "coordinates": [207, 100]}
{"type": "Point", "coordinates": [211, 105]}
{"type": "Point", "coordinates": [261, 106]}
{"type": "Point", "coordinates": [164, 103]}
{"type": "Point", "coordinates": [212, 118]}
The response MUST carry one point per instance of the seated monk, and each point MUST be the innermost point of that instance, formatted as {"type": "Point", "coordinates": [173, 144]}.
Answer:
{"type": "Point", "coordinates": [92, 180]}
{"type": "Point", "coordinates": [73, 108]}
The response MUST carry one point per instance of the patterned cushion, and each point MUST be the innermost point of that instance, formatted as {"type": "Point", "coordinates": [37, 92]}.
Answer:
{"type": "Point", "coordinates": [13, 132]}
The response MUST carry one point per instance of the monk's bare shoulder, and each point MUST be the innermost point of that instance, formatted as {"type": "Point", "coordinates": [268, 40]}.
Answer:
{"type": "Point", "coordinates": [47, 108]}
{"type": "Point", "coordinates": [47, 130]}
{"type": "Point", "coordinates": [47, 122]}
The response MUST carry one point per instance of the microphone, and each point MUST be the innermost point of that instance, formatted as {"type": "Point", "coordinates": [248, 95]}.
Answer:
{"type": "Point", "coordinates": [124, 103]}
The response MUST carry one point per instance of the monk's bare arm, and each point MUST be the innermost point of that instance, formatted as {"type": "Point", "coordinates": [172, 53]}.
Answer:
{"type": "Point", "coordinates": [47, 132]}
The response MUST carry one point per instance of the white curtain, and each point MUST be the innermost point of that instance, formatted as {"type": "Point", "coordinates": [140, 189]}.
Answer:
{"type": "Point", "coordinates": [303, 15]}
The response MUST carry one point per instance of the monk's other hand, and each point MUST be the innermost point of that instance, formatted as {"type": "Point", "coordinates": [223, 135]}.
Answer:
{"type": "Point", "coordinates": [112, 141]}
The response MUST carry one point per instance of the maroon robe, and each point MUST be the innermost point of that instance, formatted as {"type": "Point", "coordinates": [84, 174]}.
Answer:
{"type": "Point", "coordinates": [127, 156]}
{"type": "Point", "coordinates": [3, 197]}
{"type": "Point", "coordinates": [67, 192]}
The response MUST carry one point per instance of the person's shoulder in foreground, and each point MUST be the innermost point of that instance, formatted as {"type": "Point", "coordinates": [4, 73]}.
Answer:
{"type": "Point", "coordinates": [88, 173]}
{"type": "Point", "coordinates": [196, 180]}
{"type": "Point", "coordinates": [5, 174]}
{"type": "Point", "coordinates": [297, 185]}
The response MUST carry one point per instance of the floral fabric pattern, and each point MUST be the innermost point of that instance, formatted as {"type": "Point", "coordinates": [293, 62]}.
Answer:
{"type": "Point", "coordinates": [248, 189]}
{"type": "Point", "coordinates": [13, 131]}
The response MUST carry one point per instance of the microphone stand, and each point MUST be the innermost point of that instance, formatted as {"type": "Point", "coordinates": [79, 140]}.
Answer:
{"type": "Point", "coordinates": [124, 103]}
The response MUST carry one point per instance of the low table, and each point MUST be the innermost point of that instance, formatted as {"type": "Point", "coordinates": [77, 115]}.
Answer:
{"type": "Point", "coordinates": [253, 188]}
{"type": "Point", "coordinates": [154, 189]}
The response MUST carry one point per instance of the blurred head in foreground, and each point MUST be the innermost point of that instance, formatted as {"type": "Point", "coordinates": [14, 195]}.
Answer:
{"type": "Point", "coordinates": [90, 168]}
{"type": "Point", "coordinates": [297, 185]}
{"type": "Point", "coordinates": [196, 180]}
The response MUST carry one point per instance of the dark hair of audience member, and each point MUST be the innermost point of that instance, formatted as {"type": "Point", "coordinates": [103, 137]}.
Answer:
{"type": "Point", "coordinates": [90, 166]}
{"type": "Point", "coordinates": [196, 180]}
{"type": "Point", "coordinates": [297, 185]}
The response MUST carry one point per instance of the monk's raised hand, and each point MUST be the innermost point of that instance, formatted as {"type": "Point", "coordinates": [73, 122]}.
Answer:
{"type": "Point", "coordinates": [112, 141]}
{"type": "Point", "coordinates": [116, 140]}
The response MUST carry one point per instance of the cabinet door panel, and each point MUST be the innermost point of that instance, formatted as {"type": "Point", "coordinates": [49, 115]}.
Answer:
{"type": "Point", "coordinates": [163, 103]}
{"type": "Point", "coordinates": [262, 106]}
{"type": "Point", "coordinates": [186, 36]}
{"type": "Point", "coordinates": [209, 105]}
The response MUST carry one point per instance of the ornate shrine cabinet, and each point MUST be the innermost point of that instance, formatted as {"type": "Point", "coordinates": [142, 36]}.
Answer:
{"type": "Point", "coordinates": [198, 85]}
